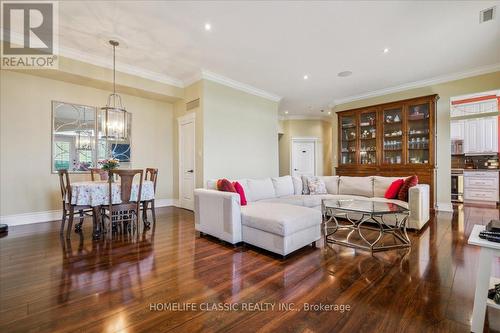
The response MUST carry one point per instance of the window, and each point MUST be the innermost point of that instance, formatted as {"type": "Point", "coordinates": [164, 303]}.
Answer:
{"type": "Point", "coordinates": [61, 155]}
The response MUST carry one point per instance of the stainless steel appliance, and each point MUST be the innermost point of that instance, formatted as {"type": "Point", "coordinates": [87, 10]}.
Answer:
{"type": "Point", "coordinates": [457, 186]}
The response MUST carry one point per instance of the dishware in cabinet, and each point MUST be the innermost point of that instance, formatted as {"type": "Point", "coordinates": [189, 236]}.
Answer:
{"type": "Point", "coordinates": [368, 137]}
{"type": "Point", "coordinates": [419, 133]}
{"type": "Point", "coordinates": [348, 136]}
{"type": "Point", "coordinates": [393, 134]}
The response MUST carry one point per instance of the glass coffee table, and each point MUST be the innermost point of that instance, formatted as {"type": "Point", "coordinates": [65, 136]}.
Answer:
{"type": "Point", "coordinates": [359, 232]}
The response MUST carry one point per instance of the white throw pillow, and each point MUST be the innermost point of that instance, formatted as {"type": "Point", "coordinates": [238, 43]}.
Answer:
{"type": "Point", "coordinates": [356, 186]}
{"type": "Point", "coordinates": [260, 189]}
{"type": "Point", "coordinates": [283, 186]}
{"type": "Point", "coordinates": [316, 186]}
{"type": "Point", "coordinates": [298, 186]}
{"type": "Point", "coordinates": [305, 186]}
{"type": "Point", "coordinates": [331, 183]}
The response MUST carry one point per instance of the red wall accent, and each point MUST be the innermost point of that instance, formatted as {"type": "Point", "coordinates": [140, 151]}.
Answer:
{"type": "Point", "coordinates": [474, 99]}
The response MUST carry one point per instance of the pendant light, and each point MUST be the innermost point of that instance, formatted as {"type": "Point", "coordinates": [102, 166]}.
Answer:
{"type": "Point", "coordinates": [84, 140]}
{"type": "Point", "coordinates": [114, 116]}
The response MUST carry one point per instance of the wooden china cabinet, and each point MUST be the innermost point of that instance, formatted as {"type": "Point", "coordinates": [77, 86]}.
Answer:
{"type": "Point", "coordinates": [392, 139]}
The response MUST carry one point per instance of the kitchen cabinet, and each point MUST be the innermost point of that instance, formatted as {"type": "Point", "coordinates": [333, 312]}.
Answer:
{"type": "Point", "coordinates": [489, 134]}
{"type": "Point", "coordinates": [471, 134]}
{"type": "Point", "coordinates": [457, 130]}
{"type": "Point", "coordinates": [481, 135]}
{"type": "Point", "coordinates": [468, 108]}
{"type": "Point", "coordinates": [481, 186]}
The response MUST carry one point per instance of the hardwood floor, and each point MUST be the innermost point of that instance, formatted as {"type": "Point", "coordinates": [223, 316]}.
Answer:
{"type": "Point", "coordinates": [49, 285]}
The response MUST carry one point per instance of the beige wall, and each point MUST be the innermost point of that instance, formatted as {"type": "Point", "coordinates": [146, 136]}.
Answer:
{"type": "Point", "coordinates": [236, 133]}
{"type": "Point", "coordinates": [27, 184]}
{"type": "Point", "coordinates": [445, 90]}
{"type": "Point", "coordinates": [240, 134]}
{"type": "Point", "coordinates": [294, 128]}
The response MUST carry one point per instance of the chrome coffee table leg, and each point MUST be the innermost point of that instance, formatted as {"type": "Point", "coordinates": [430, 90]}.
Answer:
{"type": "Point", "coordinates": [398, 230]}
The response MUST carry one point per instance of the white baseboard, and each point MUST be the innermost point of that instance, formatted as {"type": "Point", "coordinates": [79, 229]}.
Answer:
{"type": "Point", "coordinates": [55, 215]}
{"type": "Point", "coordinates": [166, 202]}
{"type": "Point", "coordinates": [444, 207]}
{"type": "Point", "coordinates": [29, 218]}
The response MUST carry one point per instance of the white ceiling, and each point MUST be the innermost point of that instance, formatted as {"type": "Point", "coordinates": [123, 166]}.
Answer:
{"type": "Point", "coordinates": [272, 44]}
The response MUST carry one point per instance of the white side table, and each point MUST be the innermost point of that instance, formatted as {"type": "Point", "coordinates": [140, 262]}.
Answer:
{"type": "Point", "coordinates": [484, 281]}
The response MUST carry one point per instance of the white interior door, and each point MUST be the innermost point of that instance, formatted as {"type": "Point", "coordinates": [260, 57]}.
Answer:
{"type": "Point", "coordinates": [303, 158]}
{"type": "Point", "coordinates": [186, 163]}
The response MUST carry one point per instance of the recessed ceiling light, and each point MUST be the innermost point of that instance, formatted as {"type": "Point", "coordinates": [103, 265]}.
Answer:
{"type": "Point", "coordinates": [208, 26]}
{"type": "Point", "coordinates": [306, 77]}
{"type": "Point", "coordinates": [329, 112]}
{"type": "Point", "coordinates": [386, 50]}
{"type": "Point", "coordinates": [286, 112]}
{"type": "Point", "coordinates": [344, 73]}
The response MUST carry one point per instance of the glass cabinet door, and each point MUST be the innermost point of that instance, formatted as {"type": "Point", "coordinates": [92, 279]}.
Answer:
{"type": "Point", "coordinates": [393, 136]}
{"type": "Point", "coordinates": [368, 138]}
{"type": "Point", "coordinates": [348, 137]}
{"type": "Point", "coordinates": [418, 116]}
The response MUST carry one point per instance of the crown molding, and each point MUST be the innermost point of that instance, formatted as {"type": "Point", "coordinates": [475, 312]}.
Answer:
{"type": "Point", "coordinates": [192, 79]}
{"type": "Point", "coordinates": [211, 76]}
{"type": "Point", "coordinates": [422, 83]}
{"type": "Point", "coordinates": [154, 76]}
{"type": "Point", "coordinates": [305, 117]}
{"type": "Point", "coordinates": [120, 67]}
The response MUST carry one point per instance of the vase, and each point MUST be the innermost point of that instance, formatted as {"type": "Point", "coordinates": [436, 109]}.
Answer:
{"type": "Point", "coordinates": [111, 176]}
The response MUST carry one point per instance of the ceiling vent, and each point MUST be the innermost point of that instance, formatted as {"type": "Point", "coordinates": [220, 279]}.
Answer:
{"type": "Point", "coordinates": [193, 104]}
{"type": "Point", "coordinates": [487, 15]}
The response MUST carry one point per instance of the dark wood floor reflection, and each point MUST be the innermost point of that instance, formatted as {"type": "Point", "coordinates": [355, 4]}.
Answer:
{"type": "Point", "coordinates": [108, 286]}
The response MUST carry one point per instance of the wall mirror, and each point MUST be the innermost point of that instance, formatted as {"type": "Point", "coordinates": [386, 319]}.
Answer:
{"type": "Point", "coordinates": [82, 136]}
{"type": "Point", "coordinates": [73, 137]}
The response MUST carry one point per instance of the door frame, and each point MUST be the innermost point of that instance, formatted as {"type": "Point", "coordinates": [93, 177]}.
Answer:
{"type": "Point", "coordinates": [314, 140]}
{"type": "Point", "coordinates": [183, 120]}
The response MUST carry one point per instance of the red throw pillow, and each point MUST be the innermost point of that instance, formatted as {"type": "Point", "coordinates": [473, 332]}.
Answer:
{"type": "Point", "coordinates": [241, 192]}
{"type": "Point", "coordinates": [403, 191]}
{"type": "Point", "coordinates": [225, 185]}
{"type": "Point", "coordinates": [393, 189]}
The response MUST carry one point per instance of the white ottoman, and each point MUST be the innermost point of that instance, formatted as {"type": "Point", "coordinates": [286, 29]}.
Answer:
{"type": "Point", "coordinates": [279, 228]}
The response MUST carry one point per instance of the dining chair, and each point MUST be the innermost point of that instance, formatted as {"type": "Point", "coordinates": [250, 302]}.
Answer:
{"type": "Point", "coordinates": [127, 211]}
{"type": "Point", "coordinates": [103, 174]}
{"type": "Point", "coordinates": [68, 211]}
{"type": "Point", "coordinates": [152, 175]}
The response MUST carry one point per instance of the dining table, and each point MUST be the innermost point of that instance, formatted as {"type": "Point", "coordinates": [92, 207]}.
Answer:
{"type": "Point", "coordinates": [96, 194]}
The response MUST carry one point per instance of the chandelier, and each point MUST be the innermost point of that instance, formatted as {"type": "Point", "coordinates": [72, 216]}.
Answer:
{"type": "Point", "coordinates": [84, 135]}
{"type": "Point", "coordinates": [114, 116]}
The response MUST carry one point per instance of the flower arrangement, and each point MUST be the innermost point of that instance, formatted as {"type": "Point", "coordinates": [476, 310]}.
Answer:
{"type": "Point", "coordinates": [109, 164]}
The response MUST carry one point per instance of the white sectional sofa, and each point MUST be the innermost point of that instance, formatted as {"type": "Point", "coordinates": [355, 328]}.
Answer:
{"type": "Point", "coordinates": [281, 216]}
